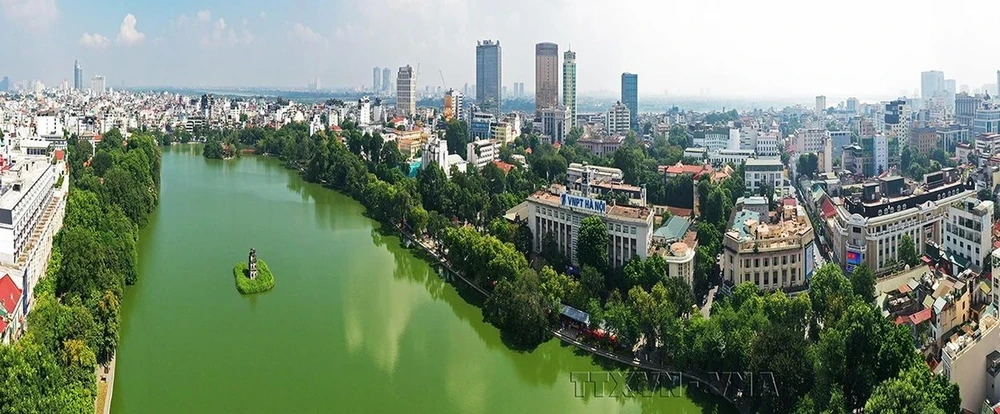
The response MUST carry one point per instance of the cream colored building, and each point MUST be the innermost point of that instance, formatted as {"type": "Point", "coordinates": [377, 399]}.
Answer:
{"type": "Point", "coordinates": [773, 256]}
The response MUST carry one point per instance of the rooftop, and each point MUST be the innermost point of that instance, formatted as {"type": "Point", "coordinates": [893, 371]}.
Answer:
{"type": "Point", "coordinates": [18, 175]}
{"type": "Point", "coordinates": [674, 229]}
{"type": "Point", "coordinates": [553, 197]}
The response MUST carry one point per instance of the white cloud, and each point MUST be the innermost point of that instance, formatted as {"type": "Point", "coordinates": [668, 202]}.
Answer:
{"type": "Point", "coordinates": [263, 14]}
{"type": "Point", "coordinates": [204, 15]}
{"type": "Point", "coordinates": [224, 34]}
{"type": "Point", "coordinates": [95, 41]}
{"type": "Point", "coordinates": [36, 15]}
{"type": "Point", "coordinates": [306, 34]}
{"type": "Point", "coordinates": [128, 35]}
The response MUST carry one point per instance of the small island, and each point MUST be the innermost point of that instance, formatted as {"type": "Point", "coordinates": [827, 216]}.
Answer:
{"type": "Point", "coordinates": [255, 278]}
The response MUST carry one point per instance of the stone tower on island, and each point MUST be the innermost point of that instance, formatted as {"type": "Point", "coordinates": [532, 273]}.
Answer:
{"type": "Point", "coordinates": [252, 263]}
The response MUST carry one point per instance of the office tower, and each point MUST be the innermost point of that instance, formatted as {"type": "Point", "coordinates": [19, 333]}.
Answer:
{"type": "Point", "coordinates": [569, 85]}
{"type": "Point", "coordinates": [852, 104]}
{"type": "Point", "coordinates": [316, 85]}
{"type": "Point", "coordinates": [97, 84]}
{"type": "Point", "coordinates": [931, 82]}
{"type": "Point", "coordinates": [376, 79]}
{"type": "Point", "coordinates": [820, 104]}
{"type": "Point", "coordinates": [630, 97]}
{"type": "Point", "coordinates": [998, 78]}
{"type": "Point", "coordinates": [406, 91]}
{"type": "Point", "coordinates": [520, 89]}
{"type": "Point", "coordinates": [77, 76]}
{"type": "Point", "coordinates": [488, 76]}
{"type": "Point", "coordinates": [546, 76]}
{"type": "Point", "coordinates": [386, 79]}
{"type": "Point", "coordinates": [5, 84]}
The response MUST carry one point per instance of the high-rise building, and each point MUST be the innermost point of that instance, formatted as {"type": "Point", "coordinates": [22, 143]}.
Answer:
{"type": "Point", "coordinates": [406, 91]}
{"type": "Point", "coordinates": [965, 109]}
{"type": "Point", "coordinates": [931, 82]}
{"type": "Point", "coordinates": [630, 97]}
{"type": "Point", "coordinates": [386, 79]}
{"type": "Point", "coordinates": [852, 104]}
{"type": "Point", "coordinates": [820, 104]}
{"type": "Point", "coordinates": [78, 76]}
{"type": "Point", "coordinates": [376, 79]}
{"type": "Point", "coordinates": [546, 76]}
{"type": "Point", "coordinates": [97, 84]}
{"type": "Point", "coordinates": [569, 85]}
{"type": "Point", "coordinates": [488, 76]}
{"type": "Point", "coordinates": [453, 105]}
{"type": "Point", "coordinates": [5, 84]}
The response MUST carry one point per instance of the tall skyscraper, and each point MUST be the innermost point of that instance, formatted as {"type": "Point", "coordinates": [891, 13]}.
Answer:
{"type": "Point", "coordinates": [489, 76]}
{"type": "Point", "coordinates": [376, 79]}
{"type": "Point", "coordinates": [386, 79]}
{"type": "Point", "coordinates": [406, 91]}
{"type": "Point", "coordinates": [5, 84]}
{"type": "Point", "coordinates": [569, 85]}
{"type": "Point", "coordinates": [546, 76]}
{"type": "Point", "coordinates": [77, 76]}
{"type": "Point", "coordinates": [630, 97]}
{"type": "Point", "coordinates": [97, 84]}
{"type": "Point", "coordinates": [931, 82]}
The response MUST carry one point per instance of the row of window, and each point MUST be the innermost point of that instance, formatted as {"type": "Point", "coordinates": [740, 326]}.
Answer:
{"type": "Point", "coordinates": [785, 259]}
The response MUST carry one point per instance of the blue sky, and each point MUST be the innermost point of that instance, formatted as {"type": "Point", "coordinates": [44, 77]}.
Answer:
{"type": "Point", "coordinates": [729, 48]}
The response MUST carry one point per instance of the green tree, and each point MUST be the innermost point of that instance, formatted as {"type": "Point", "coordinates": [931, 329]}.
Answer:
{"type": "Point", "coordinates": [457, 135]}
{"type": "Point", "coordinates": [518, 309]}
{"type": "Point", "coordinates": [106, 316]}
{"type": "Point", "coordinates": [915, 390]}
{"type": "Point", "coordinates": [908, 251]}
{"type": "Point", "coordinates": [592, 243]}
{"type": "Point", "coordinates": [863, 283]}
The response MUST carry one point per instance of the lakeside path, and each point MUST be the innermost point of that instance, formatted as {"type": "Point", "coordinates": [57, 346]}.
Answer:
{"type": "Point", "coordinates": [107, 381]}
{"type": "Point", "coordinates": [718, 386]}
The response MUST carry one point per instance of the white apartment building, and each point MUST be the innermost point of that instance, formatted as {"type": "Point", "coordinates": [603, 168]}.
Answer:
{"type": "Point", "coordinates": [618, 119]}
{"type": "Point", "coordinates": [559, 211]}
{"type": "Point", "coordinates": [988, 143]}
{"type": "Point", "coordinates": [680, 261]}
{"type": "Point", "coordinates": [767, 144]}
{"type": "Point", "coordinates": [722, 139]}
{"type": "Point", "coordinates": [881, 153]}
{"type": "Point", "coordinates": [748, 137]}
{"type": "Point", "coordinates": [763, 171]}
{"type": "Point", "coordinates": [482, 152]}
{"type": "Point", "coordinates": [967, 232]}
{"type": "Point", "coordinates": [48, 124]}
{"type": "Point", "coordinates": [364, 111]}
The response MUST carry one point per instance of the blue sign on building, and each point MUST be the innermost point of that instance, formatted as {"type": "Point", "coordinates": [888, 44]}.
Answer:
{"type": "Point", "coordinates": [596, 206]}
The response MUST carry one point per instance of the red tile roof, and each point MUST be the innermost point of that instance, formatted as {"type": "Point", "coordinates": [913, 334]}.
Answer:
{"type": "Point", "coordinates": [10, 297]}
{"type": "Point", "coordinates": [59, 155]}
{"type": "Point", "coordinates": [921, 316]}
{"type": "Point", "coordinates": [503, 166]}
{"type": "Point", "coordinates": [677, 211]}
{"type": "Point", "coordinates": [680, 168]}
{"type": "Point", "coordinates": [827, 206]}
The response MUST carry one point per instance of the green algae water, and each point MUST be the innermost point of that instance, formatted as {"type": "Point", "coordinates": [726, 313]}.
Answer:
{"type": "Point", "coordinates": [355, 323]}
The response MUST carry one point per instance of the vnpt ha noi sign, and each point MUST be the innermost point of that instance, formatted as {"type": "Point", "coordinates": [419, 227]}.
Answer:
{"type": "Point", "coordinates": [584, 203]}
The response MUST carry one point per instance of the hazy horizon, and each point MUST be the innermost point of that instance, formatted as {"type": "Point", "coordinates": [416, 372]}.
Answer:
{"type": "Point", "coordinates": [719, 49]}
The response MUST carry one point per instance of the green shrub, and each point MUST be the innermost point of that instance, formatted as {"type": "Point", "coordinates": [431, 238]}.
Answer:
{"type": "Point", "coordinates": [263, 283]}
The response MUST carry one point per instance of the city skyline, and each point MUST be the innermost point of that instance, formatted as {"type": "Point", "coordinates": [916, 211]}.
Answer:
{"type": "Point", "coordinates": [212, 43]}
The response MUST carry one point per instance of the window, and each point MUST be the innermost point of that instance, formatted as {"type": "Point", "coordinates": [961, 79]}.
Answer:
{"type": "Point", "coordinates": [756, 262]}
{"type": "Point", "coordinates": [633, 229]}
{"type": "Point", "coordinates": [765, 262]}
{"type": "Point", "coordinates": [784, 260]}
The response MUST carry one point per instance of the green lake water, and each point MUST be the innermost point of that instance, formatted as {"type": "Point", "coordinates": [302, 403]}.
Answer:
{"type": "Point", "coordinates": [356, 322]}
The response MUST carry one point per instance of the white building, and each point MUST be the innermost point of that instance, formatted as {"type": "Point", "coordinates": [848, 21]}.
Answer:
{"type": "Point", "coordinates": [728, 156]}
{"type": "Point", "coordinates": [435, 150]}
{"type": "Point", "coordinates": [767, 144]}
{"type": "Point", "coordinates": [454, 105]}
{"type": "Point", "coordinates": [555, 123]}
{"type": "Point", "coordinates": [820, 104]}
{"type": "Point", "coordinates": [618, 119]}
{"type": "Point", "coordinates": [48, 124]}
{"type": "Point", "coordinates": [559, 211]}
{"type": "Point", "coordinates": [482, 152]}
{"type": "Point", "coordinates": [576, 171]}
{"type": "Point", "coordinates": [97, 85]}
{"type": "Point", "coordinates": [720, 139]}
{"type": "Point", "coordinates": [680, 261]}
{"type": "Point", "coordinates": [758, 172]}
{"type": "Point", "coordinates": [881, 153]}
{"type": "Point", "coordinates": [968, 231]}
{"type": "Point", "coordinates": [772, 256]}
{"type": "Point", "coordinates": [364, 111]}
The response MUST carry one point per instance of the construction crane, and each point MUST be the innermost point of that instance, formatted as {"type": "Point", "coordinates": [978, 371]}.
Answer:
{"type": "Point", "coordinates": [443, 83]}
